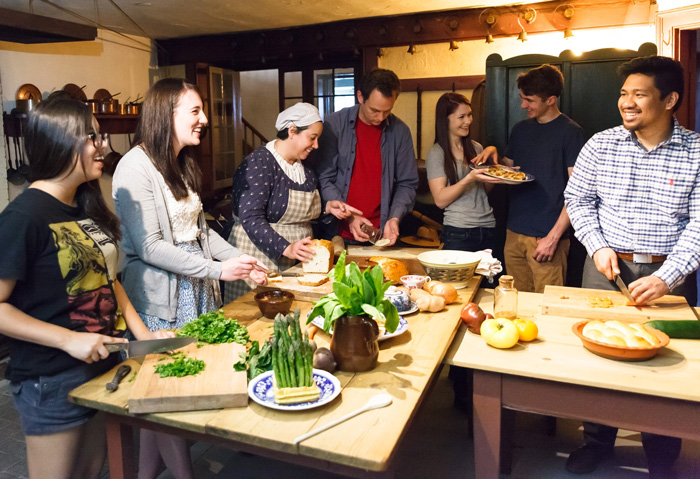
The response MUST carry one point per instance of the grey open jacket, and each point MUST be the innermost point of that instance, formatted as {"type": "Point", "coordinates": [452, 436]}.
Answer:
{"type": "Point", "coordinates": [152, 259]}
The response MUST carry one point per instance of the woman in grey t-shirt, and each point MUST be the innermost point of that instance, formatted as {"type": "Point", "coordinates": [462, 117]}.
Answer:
{"type": "Point", "coordinates": [468, 224]}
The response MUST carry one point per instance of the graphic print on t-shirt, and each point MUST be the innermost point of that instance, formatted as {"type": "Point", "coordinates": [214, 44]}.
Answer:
{"type": "Point", "coordinates": [82, 262]}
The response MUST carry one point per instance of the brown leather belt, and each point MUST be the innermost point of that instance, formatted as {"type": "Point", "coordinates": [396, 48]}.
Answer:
{"type": "Point", "coordinates": [630, 257]}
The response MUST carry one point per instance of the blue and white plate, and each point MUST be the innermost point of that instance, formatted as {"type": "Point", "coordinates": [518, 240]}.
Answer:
{"type": "Point", "coordinates": [261, 391]}
{"type": "Point", "coordinates": [400, 329]}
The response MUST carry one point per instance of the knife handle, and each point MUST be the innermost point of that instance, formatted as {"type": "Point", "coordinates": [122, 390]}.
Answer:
{"type": "Point", "coordinates": [123, 370]}
{"type": "Point", "coordinates": [114, 347]}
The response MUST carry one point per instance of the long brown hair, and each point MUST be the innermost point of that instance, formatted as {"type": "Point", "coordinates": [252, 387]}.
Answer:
{"type": "Point", "coordinates": [155, 134]}
{"type": "Point", "coordinates": [56, 133]}
{"type": "Point", "coordinates": [446, 105]}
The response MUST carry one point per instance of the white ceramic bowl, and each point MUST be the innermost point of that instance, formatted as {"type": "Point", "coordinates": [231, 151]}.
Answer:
{"type": "Point", "coordinates": [450, 266]}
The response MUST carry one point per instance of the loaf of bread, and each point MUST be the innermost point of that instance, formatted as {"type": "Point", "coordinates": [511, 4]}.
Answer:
{"type": "Point", "coordinates": [393, 269]}
{"type": "Point", "coordinates": [322, 262]}
{"type": "Point", "coordinates": [620, 333]}
{"type": "Point", "coordinates": [312, 279]}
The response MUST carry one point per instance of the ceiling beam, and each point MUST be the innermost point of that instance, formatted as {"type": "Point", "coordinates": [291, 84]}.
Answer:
{"type": "Point", "coordinates": [21, 27]}
{"type": "Point", "coordinates": [346, 39]}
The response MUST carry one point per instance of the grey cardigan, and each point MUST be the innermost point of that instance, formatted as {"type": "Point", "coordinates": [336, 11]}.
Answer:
{"type": "Point", "coordinates": [152, 259]}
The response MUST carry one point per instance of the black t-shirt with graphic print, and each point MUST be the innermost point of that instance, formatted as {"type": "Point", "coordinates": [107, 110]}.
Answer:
{"type": "Point", "coordinates": [64, 266]}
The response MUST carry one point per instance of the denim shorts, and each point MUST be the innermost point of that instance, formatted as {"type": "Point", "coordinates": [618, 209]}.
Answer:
{"type": "Point", "coordinates": [43, 402]}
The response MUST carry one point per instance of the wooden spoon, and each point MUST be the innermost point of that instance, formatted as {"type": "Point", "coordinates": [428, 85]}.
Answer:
{"type": "Point", "coordinates": [375, 402]}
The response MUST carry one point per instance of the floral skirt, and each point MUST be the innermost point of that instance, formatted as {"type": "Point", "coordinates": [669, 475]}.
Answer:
{"type": "Point", "coordinates": [195, 296]}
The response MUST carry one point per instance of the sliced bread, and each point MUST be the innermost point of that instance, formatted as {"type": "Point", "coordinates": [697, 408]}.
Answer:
{"type": "Point", "coordinates": [322, 262]}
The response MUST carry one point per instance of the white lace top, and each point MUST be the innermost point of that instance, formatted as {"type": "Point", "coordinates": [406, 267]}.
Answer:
{"type": "Point", "coordinates": [183, 214]}
{"type": "Point", "coordinates": [295, 171]}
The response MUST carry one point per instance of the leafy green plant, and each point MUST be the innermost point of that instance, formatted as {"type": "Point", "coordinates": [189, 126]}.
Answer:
{"type": "Point", "coordinates": [356, 293]}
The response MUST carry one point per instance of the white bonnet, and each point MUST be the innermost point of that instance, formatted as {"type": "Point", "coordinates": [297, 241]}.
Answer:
{"type": "Point", "coordinates": [300, 114]}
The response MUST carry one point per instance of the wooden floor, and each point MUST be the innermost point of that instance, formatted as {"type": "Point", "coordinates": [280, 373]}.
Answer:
{"type": "Point", "coordinates": [436, 446]}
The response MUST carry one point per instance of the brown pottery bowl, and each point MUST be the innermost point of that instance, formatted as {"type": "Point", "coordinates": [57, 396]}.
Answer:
{"type": "Point", "coordinates": [621, 353]}
{"type": "Point", "coordinates": [273, 302]}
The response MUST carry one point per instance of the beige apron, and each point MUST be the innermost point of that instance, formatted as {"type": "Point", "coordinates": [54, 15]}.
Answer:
{"type": "Point", "coordinates": [302, 207]}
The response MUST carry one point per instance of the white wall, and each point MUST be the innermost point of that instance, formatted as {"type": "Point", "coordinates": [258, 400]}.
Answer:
{"type": "Point", "coordinates": [119, 64]}
{"type": "Point", "coordinates": [260, 100]}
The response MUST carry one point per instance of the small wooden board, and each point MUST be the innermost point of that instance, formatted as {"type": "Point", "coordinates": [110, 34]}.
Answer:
{"type": "Point", "coordinates": [575, 303]}
{"type": "Point", "coordinates": [218, 386]}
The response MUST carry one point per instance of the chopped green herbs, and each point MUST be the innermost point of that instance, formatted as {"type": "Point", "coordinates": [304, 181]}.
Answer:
{"type": "Point", "coordinates": [181, 367]}
{"type": "Point", "coordinates": [133, 377]}
{"type": "Point", "coordinates": [214, 328]}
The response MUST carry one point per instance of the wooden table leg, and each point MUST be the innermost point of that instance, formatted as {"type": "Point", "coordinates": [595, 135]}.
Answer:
{"type": "Point", "coordinates": [120, 449]}
{"type": "Point", "coordinates": [487, 424]}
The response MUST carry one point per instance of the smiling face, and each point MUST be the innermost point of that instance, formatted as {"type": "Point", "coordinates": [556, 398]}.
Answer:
{"type": "Point", "coordinates": [459, 120]}
{"type": "Point", "coordinates": [641, 105]}
{"type": "Point", "coordinates": [376, 108]}
{"type": "Point", "coordinates": [90, 162]}
{"type": "Point", "coordinates": [306, 141]}
{"type": "Point", "coordinates": [534, 106]}
{"type": "Point", "coordinates": [188, 120]}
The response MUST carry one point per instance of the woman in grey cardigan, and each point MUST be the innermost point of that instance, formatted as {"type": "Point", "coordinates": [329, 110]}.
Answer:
{"type": "Point", "coordinates": [173, 260]}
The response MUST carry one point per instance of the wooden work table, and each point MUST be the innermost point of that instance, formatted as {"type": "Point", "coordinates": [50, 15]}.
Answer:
{"type": "Point", "coordinates": [554, 375]}
{"type": "Point", "coordinates": [407, 365]}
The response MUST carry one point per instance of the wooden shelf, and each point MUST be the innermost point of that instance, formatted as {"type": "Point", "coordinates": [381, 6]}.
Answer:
{"type": "Point", "coordinates": [117, 124]}
{"type": "Point", "coordinates": [112, 124]}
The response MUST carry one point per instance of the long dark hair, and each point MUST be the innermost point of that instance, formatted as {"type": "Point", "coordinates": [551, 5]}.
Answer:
{"type": "Point", "coordinates": [57, 130]}
{"type": "Point", "coordinates": [155, 133]}
{"type": "Point", "coordinates": [446, 105]}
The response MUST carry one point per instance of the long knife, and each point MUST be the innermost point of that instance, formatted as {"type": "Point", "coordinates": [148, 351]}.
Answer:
{"type": "Point", "coordinates": [149, 346]}
{"type": "Point", "coordinates": [623, 289]}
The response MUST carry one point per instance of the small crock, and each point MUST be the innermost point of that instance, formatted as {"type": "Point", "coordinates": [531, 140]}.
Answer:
{"type": "Point", "coordinates": [354, 344]}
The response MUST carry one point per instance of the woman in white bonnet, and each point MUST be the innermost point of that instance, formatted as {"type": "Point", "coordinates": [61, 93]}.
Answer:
{"type": "Point", "coordinates": [275, 196]}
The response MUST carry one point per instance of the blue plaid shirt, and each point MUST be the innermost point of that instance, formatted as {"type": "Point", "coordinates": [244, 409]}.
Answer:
{"type": "Point", "coordinates": [632, 200]}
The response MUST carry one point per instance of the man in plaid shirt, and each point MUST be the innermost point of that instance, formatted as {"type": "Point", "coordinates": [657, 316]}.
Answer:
{"type": "Point", "coordinates": [633, 200]}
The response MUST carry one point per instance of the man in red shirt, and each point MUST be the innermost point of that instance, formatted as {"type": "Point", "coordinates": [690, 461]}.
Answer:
{"type": "Point", "coordinates": [366, 159]}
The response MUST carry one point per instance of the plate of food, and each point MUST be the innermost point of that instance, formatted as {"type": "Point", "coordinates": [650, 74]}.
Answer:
{"type": "Point", "coordinates": [620, 340]}
{"type": "Point", "coordinates": [261, 390]}
{"type": "Point", "coordinates": [400, 329]}
{"type": "Point", "coordinates": [510, 176]}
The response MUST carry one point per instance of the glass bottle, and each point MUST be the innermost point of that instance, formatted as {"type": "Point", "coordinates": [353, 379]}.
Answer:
{"type": "Point", "coordinates": [505, 303]}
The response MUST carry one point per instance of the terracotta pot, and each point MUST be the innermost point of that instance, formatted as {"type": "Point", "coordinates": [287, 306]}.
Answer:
{"type": "Point", "coordinates": [354, 343]}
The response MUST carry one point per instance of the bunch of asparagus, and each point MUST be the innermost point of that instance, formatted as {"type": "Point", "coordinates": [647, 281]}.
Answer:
{"type": "Point", "coordinates": [292, 355]}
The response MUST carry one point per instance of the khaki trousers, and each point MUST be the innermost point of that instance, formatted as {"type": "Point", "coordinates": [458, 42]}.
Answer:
{"type": "Point", "coordinates": [531, 275]}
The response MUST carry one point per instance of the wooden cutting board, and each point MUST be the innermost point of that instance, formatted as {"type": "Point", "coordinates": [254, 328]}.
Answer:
{"type": "Point", "coordinates": [576, 303]}
{"type": "Point", "coordinates": [218, 386]}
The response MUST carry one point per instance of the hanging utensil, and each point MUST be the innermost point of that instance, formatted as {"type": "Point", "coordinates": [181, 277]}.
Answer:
{"type": "Point", "coordinates": [15, 178]}
{"type": "Point", "coordinates": [375, 402]}
{"type": "Point", "coordinates": [12, 175]}
{"type": "Point", "coordinates": [22, 169]}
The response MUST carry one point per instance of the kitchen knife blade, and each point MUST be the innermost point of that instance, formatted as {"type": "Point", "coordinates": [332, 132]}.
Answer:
{"type": "Point", "coordinates": [149, 346]}
{"type": "Point", "coordinates": [623, 289]}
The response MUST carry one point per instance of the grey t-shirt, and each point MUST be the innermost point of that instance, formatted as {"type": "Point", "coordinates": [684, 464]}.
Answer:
{"type": "Point", "coordinates": [472, 209]}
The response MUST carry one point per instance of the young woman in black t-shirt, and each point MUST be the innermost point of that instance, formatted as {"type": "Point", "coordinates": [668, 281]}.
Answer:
{"type": "Point", "coordinates": [60, 301]}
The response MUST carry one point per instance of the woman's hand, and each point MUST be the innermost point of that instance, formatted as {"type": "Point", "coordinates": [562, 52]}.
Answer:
{"type": "Point", "coordinates": [259, 277]}
{"type": "Point", "coordinates": [237, 268]}
{"type": "Point", "coordinates": [341, 210]}
{"type": "Point", "coordinates": [299, 250]}
{"type": "Point", "coordinates": [89, 347]}
{"type": "Point", "coordinates": [481, 176]}
{"type": "Point", "coordinates": [160, 334]}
